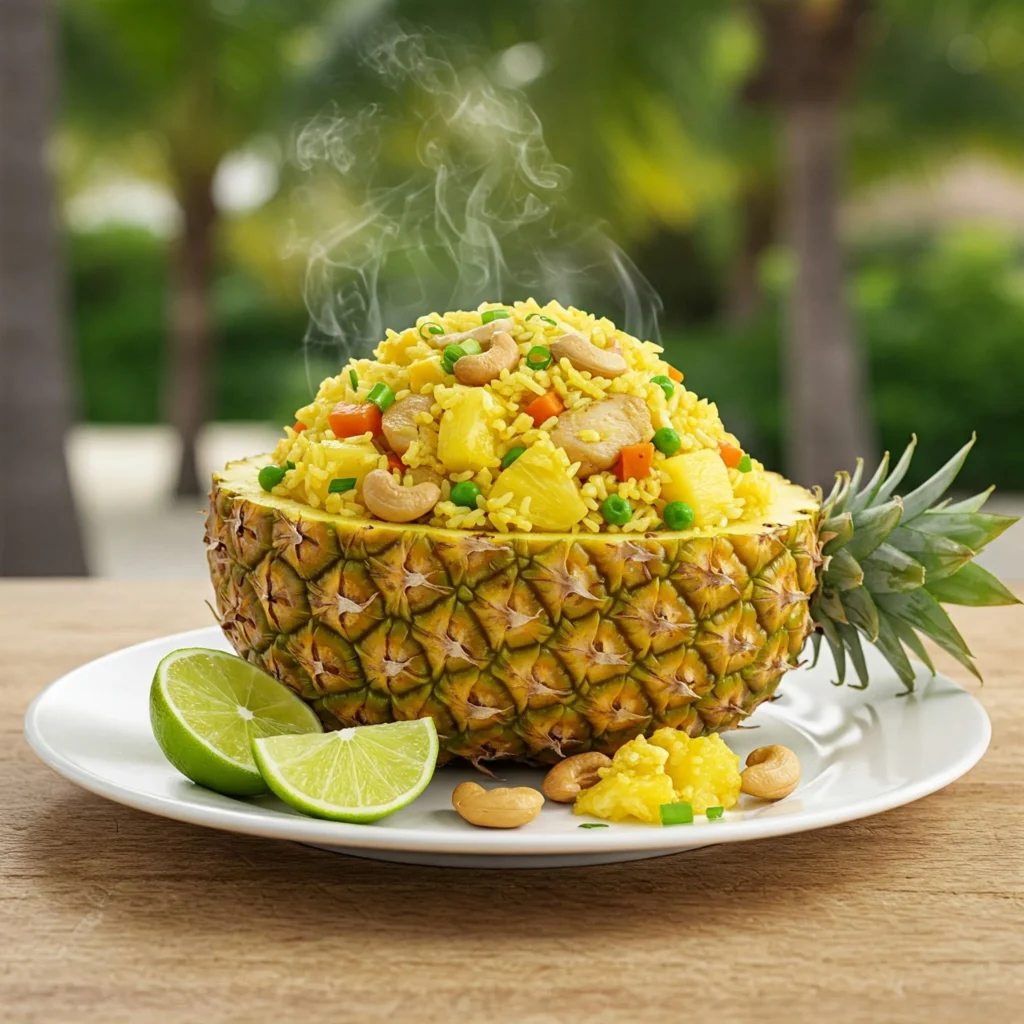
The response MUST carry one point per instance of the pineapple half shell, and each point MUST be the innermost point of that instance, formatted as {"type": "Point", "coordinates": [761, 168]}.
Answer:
{"type": "Point", "coordinates": [526, 646]}
{"type": "Point", "coordinates": [537, 646]}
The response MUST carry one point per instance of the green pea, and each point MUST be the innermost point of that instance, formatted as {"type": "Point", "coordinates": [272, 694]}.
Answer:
{"type": "Point", "coordinates": [745, 465]}
{"type": "Point", "coordinates": [511, 455]}
{"type": "Point", "coordinates": [616, 510]}
{"type": "Point", "coordinates": [465, 494]}
{"type": "Point", "coordinates": [271, 476]}
{"type": "Point", "coordinates": [666, 440]}
{"type": "Point", "coordinates": [665, 384]}
{"type": "Point", "coordinates": [382, 396]}
{"type": "Point", "coordinates": [678, 515]}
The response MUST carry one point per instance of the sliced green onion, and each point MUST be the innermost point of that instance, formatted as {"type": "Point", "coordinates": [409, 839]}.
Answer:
{"type": "Point", "coordinates": [664, 383]}
{"type": "Point", "coordinates": [745, 465]}
{"type": "Point", "coordinates": [431, 328]}
{"type": "Point", "coordinates": [341, 485]}
{"type": "Point", "coordinates": [538, 358]}
{"type": "Point", "coordinates": [592, 824]}
{"type": "Point", "coordinates": [714, 813]}
{"type": "Point", "coordinates": [554, 323]}
{"type": "Point", "coordinates": [494, 314]}
{"type": "Point", "coordinates": [270, 476]}
{"type": "Point", "coordinates": [471, 347]}
{"type": "Point", "coordinates": [616, 510]}
{"type": "Point", "coordinates": [511, 455]}
{"type": "Point", "coordinates": [676, 814]}
{"type": "Point", "coordinates": [353, 379]}
{"type": "Point", "coordinates": [666, 440]}
{"type": "Point", "coordinates": [678, 515]}
{"type": "Point", "coordinates": [465, 494]}
{"type": "Point", "coordinates": [382, 396]}
{"type": "Point", "coordinates": [289, 464]}
{"type": "Point", "coordinates": [452, 354]}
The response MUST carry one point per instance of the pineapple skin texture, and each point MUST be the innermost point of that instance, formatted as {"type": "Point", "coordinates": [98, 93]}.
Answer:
{"type": "Point", "coordinates": [519, 646]}
{"type": "Point", "coordinates": [671, 768]}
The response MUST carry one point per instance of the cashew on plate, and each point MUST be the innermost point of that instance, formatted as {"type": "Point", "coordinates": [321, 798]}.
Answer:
{"type": "Point", "coordinates": [496, 808]}
{"type": "Point", "coordinates": [387, 499]}
{"type": "Point", "coordinates": [573, 775]}
{"type": "Point", "coordinates": [772, 773]}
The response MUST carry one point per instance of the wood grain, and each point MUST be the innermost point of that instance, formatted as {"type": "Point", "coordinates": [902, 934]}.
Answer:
{"type": "Point", "coordinates": [108, 914]}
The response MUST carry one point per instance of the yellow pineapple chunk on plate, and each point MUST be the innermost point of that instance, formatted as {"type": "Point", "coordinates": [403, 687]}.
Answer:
{"type": "Point", "coordinates": [701, 479]}
{"type": "Point", "coordinates": [539, 474]}
{"type": "Point", "coordinates": [465, 438]}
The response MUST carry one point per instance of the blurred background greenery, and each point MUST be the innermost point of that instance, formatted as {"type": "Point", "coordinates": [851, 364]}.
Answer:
{"type": "Point", "coordinates": [826, 195]}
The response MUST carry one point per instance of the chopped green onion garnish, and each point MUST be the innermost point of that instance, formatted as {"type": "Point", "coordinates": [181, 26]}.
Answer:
{"type": "Point", "coordinates": [666, 440]}
{"type": "Point", "coordinates": [676, 814]}
{"type": "Point", "coordinates": [678, 515]}
{"type": "Point", "coordinates": [465, 494]}
{"type": "Point", "coordinates": [664, 383]}
{"type": "Point", "coordinates": [471, 347]}
{"type": "Point", "coordinates": [745, 465]}
{"type": "Point", "coordinates": [494, 314]}
{"type": "Point", "coordinates": [554, 323]}
{"type": "Point", "coordinates": [714, 813]}
{"type": "Point", "coordinates": [431, 328]}
{"type": "Point", "coordinates": [270, 476]}
{"type": "Point", "coordinates": [381, 395]}
{"type": "Point", "coordinates": [289, 464]}
{"type": "Point", "coordinates": [511, 455]}
{"type": "Point", "coordinates": [538, 357]}
{"type": "Point", "coordinates": [452, 354]}
{"type": "Point", "coordinates": [592, 824]}
{"type": "Point", "coordinates": [353, 378]}
{"type": "Point", "coordinates": [616, 510]}
{"type": "Point", "coordinates": [341, 485]}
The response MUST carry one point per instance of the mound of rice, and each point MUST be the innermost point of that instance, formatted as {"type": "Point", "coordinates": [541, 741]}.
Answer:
{"type": "Point", "coordinates": [397, 363]}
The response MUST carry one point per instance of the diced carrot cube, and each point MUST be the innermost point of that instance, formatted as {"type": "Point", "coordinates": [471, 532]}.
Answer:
{"type": "Point", "coordinates": [349, 420]}
{"type": "Point", "coordinates": [675, 375]}
{"type": "Point", "coordinates": [635, 461]}
{"type": "Point", "coordinates": [542, 408]}
{"type": "Point", "coordinates": [731, 455]}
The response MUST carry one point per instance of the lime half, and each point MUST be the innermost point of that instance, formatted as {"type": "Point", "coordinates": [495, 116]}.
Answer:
{"type": "Point", "coordinates": [207, 707]}
{"type": "Point", "coordinates": [359, 774]}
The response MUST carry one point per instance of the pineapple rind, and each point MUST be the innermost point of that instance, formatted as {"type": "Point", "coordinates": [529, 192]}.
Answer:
{"type": "Point", "coordinates": [524, 646]}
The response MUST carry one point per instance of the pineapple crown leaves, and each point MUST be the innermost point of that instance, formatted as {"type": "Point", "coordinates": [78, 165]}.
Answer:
{"type": "Point", "coordinates": [889, 563]}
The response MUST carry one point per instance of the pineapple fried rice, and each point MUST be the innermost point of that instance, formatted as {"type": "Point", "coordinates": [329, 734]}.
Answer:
{"type": "Point", "coordinates": [505, 441]}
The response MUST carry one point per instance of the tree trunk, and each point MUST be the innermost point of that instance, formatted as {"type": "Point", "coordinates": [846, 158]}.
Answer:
{"type": "Point", "coordinates": [745, 299]}
{"type": "Point", "coordinates": [827, 419]}
{"type": "Point", "coordinates": [192, 327]}
{"type": "Point", "coordinates": [39, 533]}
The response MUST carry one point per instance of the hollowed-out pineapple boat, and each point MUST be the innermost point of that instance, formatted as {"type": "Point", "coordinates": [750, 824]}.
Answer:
{"type": "Point", "coordinates": [537, 645]}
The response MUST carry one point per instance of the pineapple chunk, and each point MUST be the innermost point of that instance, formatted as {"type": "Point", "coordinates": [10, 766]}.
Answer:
{"type": "Point", "coordinates": [425, 371]}
{"type": "Point", "coordinates": [465, 439]}
{"type": "Point", "coordinates": [671, 768]}
{"type": "Point", "coordinates": [701, 479]}
{"type": "Point", "coordinates": [555, 502]}
{"type": "Point", "coordinates": [350, 458]}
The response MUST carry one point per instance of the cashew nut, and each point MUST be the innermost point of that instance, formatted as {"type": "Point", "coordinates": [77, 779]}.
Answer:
{"type": "Point", "coordinates": [573, 775]}
{"type": "Point", "coordinates": [482, 333]}
{"type": "Point", "coordinates": [399, 422]}
{"type": "Point", "coordinates": [501, 354]}
{"type": "Point", "coordinates": [601, 362]}
{"type": "Point", "coordinates": [496, 808]}
{"type": "Point", "coordinates": [771, 773]}
{"type": "Point", "coordinates": [620, 420]}
{"type": "Point", "coordinates": [389, 500]}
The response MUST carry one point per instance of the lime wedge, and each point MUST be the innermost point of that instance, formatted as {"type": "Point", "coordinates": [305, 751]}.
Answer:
{"type": "Point", "coordinates": [206, 708]}
{"type": "Point", "coordinates": [358, 775]}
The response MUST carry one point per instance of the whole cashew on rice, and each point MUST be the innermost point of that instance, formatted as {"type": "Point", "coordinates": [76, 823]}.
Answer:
{"type": "Point", "coordinates": [480, 369]}
{"type": "Point", "coordinates": [772, 773]}
{"type": "Point", "coordinates": [583, 355]}
{"type": "Point", "coordinates": [387, 499]}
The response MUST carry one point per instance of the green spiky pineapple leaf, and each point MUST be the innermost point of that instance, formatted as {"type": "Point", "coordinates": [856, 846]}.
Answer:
{"type": "Point", "coordinates": [891, 562]}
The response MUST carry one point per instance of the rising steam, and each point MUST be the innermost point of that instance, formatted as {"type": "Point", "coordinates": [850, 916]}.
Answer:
{"type": "Point", "coordinates": [443, 195]}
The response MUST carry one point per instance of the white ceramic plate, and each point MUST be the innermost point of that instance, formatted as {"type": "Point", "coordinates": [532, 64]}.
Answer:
{"type": "Point", "coordinates": [862, 752]}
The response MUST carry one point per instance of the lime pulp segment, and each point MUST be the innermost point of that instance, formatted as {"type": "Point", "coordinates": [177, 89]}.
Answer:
{"type": "Point", "coordinates": [359, 774]}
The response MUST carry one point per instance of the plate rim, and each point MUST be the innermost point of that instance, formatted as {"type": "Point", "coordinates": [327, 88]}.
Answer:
{"type": "Point", "coordinates": [479, 842]}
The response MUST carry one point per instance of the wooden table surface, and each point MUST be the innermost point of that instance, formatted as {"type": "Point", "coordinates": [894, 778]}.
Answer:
{"type": "Point", "coordinates": [108, 914]}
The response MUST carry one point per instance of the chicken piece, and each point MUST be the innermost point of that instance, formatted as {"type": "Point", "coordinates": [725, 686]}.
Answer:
{"type": "Point", "coordinates": [620, 420]}
{"type": "Point", "coordinates": [399, 422]}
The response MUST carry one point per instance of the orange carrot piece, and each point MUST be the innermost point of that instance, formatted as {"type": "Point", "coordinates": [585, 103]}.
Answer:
{"type": "Point", "coordinates": [394, 462]}
{"type": "Point", "coordinates": [731, 455]}
{"type": "Point", "coordinates": [543, 408]}
{"type": "Point", "coordinates": [635, 461]}
{"type": "Point", "coordinates": [675, 375]}
{"type": "Point", "coordinates": [348, 420]}
{"type": "Point", "coordinates": [299, 427]}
